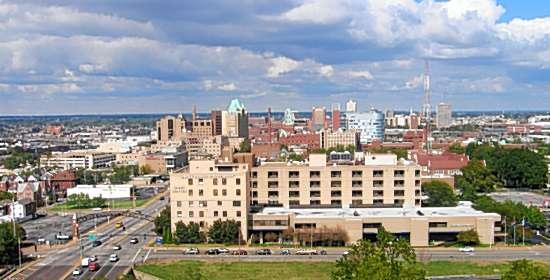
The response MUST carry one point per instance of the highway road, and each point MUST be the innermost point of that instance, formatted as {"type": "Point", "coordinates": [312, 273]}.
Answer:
{"type": "Point", "coordinates": [450, 254]}
{"type": "Point", "coordinates": [57, 264]}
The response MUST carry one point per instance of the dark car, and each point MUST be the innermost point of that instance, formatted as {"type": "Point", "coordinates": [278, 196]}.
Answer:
{"type": "Point", "coordinates": [96, 243]}
{"type": "Point", "coordinates": [212, 251]}
{"type": "Point", "coordinates": [285, 252]}
{"type": "Point", "coordinates": [239, 252]}
{"type": "Point", "coordinates": [134, 240]}
{"type": "Point", "coordinates": [263, 252]}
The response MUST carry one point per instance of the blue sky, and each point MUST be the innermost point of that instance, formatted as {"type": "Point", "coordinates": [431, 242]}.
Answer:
{"type": "Point", "coordinates": [69, 57]}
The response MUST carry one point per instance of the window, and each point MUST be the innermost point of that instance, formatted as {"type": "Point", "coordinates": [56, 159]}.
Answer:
{"type": "Point", "coordinates": [272, 174]}
{"type": "Point", "coordinates": [293, 202]}
{"type": "Point", "coordinates": [378, 173]}
{"type": "Point", "coordinates": [417, 173]}
{"type": "Point", "coordinates": [190, 192]}
{"type": "Point", "coordinates": [190, 203]}
{"type": "Point", "coordinates": [399, 183]}
{"type": "Point", "coordinates": [378, 183]}
{"type": "Point", "coordinates": [178, 203]}
{"type": "Point", "coordinates": [378, 202]}
{"type": "Point", "coordinates": [398, 202]}
{"type": "Point", "coordinates": [315, 194]}
{"type": "Point", "coordinates": [314, 202]}
{"type": "Point", "coordinates": [272, 194]}
{"type": "Point", "coordinates": [190, 214]}
{"type": "Point", "coordinates": [224, 192]}
{"type": "Point", "coordinates": [314, 184]}
{"type": "Point", "coordinates": [215, 213]}
{"type": "Point", "coordinates": [201, 192]}
{"type": "Point", "coordinates": [315, 174]}
{"type": "Point", "coordinates": [356, 193]}
{"type": "Point", "coordinates": [399, 193]}
{"type": "Point", "coordinates": [335, 174]}
{"type": "Point", "coordinates": [219, 203]}
{"type": "Point", "coordinates": [356, 202]}
{"type": "Point", "coordinates": [378, 193]}
{"type": "Point", "coordinates": [178, 214]}
{"type": "Point", "coordinates": [254, 194]}
{"type": "Point", "coordinates": [294, 174]}
{"type": "Point", "coordinates": [336, 202]}
{"type": "Point", "coordinates": [254, 174]}
{"type": "Point", "coordinates": [201, 214]}
{"type": "Point", "coordinates": [357, 184]}
{"type": "Point", "coordinates": [238, 213]}
{"type": "Point", "coordinates": [398, 173]}
{"type": "Point", "coordinates": [224, 213]}
{"type": "Point", "coordinates": [190, 181]}
{"type": "Point", "coordinates": [238, 181]}
{"type": "Point", "coordinates": [437, 224]}
{"type": "Point", "coordinates": [372, 225]}
{"type": "Point", "coordinates": [273, 185]}
{"type": "Point", "coordinates": [215, 181]}
{"type": "Point", "coordinates": [224, 181]}
{"type": "Point", "coordinates": [238, 192]}
{"type": "Point", "coordinates": [356, 173]}
{"type": "Point", "coordinates": [236, 203]}
{"type": "Point", "coordinates": [201, 181]}
{"type": "Point", "coordinates": [215, 192]}
{"type": "Point", "coordinates": [336, 184]}
{"type": "Point", "coordinates": [293, 193]}
{"type": "Point", "coordinates": [293, 184]}
{"type": "Point", "coordinates": [254, 185]}
{"type": "Point", "coordinates": [201, 224]}
{"type": "Point", "coordinates": [336, 193]}
{"type": "Point", "coordinates": [203, 203]}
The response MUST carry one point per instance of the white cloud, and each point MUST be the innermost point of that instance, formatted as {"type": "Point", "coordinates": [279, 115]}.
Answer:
{"type": "Point", "coordinates": [228, 87]}
{"type": "Point", "coordinates": [414, 82]}
{"type": "Point", "coordinates": [364, 74]}
{"type": "Point", "coordinates": [524, 31]}
{"type": "Point", "coordinates": [321, 12]}
{"type": "Point", "coordinates": [326, 71]}
{"type": "Point", "coordinates": [281, 65]}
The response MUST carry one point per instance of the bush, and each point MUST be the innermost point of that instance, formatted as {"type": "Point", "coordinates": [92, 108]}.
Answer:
{"type": "Point", "coordinates": [225, 231]}
{"type": "Point", "coordinates": [187, 233]}
{"type": "Point", "coordinates": [468, 238]}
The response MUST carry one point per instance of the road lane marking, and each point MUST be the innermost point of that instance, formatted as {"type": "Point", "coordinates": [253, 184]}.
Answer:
{"type": "Point", "coordinates": [146, 256]}
{"type": "Point", "coordinates": [137, 253]}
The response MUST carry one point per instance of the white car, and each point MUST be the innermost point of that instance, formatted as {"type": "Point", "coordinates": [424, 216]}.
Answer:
{"type": "Point", "coordinates": [306, 252]}
{"type": "Point", "coordinates": [117, 247]}
{"type": "Point", "coordinates": [467, 249]}
{"type": "Point", "coordinates": [113, 258]}
{"type": "Point", "coordinates": [223, 251]}
{"type": "Point", "coordinates": [93, 258]}
{"type": "Point", "coordinates": [77, 272]}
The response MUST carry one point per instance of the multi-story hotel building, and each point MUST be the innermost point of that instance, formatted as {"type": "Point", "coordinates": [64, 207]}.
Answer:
{"type": "Point", "coordinates": [357, 196]}
{"type": "Point", "coordinates": [207, 191]}
{"type": "Point", "coordinates": [332, 139]}
{"type": "Point", "coordinates": [88, 159]}
{"type": "Point", "coordinates": [382, 183]}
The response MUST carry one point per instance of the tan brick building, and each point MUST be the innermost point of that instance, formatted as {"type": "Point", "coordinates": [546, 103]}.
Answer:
{"type": "Point", "coordinates": [316, 184]}
{"type": "Point", "coordinates": [207, 191]}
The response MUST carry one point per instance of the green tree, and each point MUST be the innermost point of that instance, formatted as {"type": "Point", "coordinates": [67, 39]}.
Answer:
{"type": "Point", "coordinates": [469, 237]}
{"type": "Point", "coordinates": [162, 221]}
{"type": "Point", "coordinates": [224, 231]}
{"type": "Point", "coordinates": [440, 194]}
{"type": "Point", "coordinates": [387, 258]}
{"type": "Point", "coordinates": [295, 157]}
{"type": "Point", "coordinates": [122, 174]}
{"type": "Point", "coordinates": [476, 176]}
{"type": "Point", "coordinates": [5, 195]}
{"type": "Point", "coordinates": [187, 233]}
{"type": "Point", "coordinates": [145, 169]}
{"type": "Point", "coordinates": [525, 270]}
{"type": "Point", "coordinates": [8, 245]}
{"type": "Point", "coordinates": [521, 168]}
{"type": "Point", "coordinates": [245, 147]}
{"type": "Point", "coordinates": [456, 148]}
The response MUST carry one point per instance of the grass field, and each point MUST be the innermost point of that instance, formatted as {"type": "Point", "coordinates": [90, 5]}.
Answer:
{"type": "Point", "coordinates": [119, 204]}
{"type": "Point", "coordinates": [299, 270]}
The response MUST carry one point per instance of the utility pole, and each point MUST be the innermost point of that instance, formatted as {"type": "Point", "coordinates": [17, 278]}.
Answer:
{"type": "Point", "coordinates": [505, 233]}
{"type": "Point", "coordinates": [426, 106]}
{"type": "Point", "coordinates": [523, 231]}
{"type": "Point", "coordinates": [15, 229]}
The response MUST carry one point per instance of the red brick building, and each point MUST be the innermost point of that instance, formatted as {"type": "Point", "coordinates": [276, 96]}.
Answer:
{"type": "Point", "coordinates": [312, 140]}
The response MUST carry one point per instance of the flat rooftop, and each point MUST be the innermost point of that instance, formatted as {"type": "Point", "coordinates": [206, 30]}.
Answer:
{"type": "Point", "coordinates": [463, 209]}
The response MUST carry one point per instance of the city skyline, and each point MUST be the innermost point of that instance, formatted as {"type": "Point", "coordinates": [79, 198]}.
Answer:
{"type": "Point", "coordinates": [118, 57]}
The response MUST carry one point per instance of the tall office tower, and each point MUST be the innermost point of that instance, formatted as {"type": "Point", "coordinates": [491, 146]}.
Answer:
{"type": "Point", "coordinates": [170, 128]}
{"type": "Point", "coordinates": [444, 115]}
{"type": "Point", "coordinates": [351, 106]}
{"type": "Point", "coordinates": [369, 125]}
{"type": "Point", "coordinates": [216, 117]}
{"type": "Point", "coordinates": [413, 121]}
{"type": "Point", "coordinates": [336, 116]}
{"type": "Point", "coordinates": [235, 120]}
{"type": "Point", "coordinates": [318, 118]}
{"type": "Point", "coordinates": [289, 117]}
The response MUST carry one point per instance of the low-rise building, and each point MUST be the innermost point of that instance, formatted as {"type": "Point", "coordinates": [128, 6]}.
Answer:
{"type": "Point", "coordinates": [103, 191]}
{"type": "Point", "coordinates": [88, 159]}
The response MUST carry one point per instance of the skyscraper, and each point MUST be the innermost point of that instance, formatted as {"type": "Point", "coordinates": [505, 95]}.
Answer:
{"type": "Point", "coordinates": [216, 117]}
{"type": "Point", "coordinates": [318, 118]}
{"type": "Point", "coordinates": [369, 125]}
{"type": "Point", "coordinates": [351, 106]}
{"type": "Point", "coordinates": [170, 128]}
{"type": "Point", "coordinates": [336, 116]}
{"type": "Point", "coordinates": [235, 120]}
{"type": "Point", "coordinates": [444, 115]}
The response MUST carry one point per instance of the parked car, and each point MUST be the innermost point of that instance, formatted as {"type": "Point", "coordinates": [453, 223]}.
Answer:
{"type": "Point", "coordinates": [306, 252]}
{"type": "Point", "coordinates": [191, 251]}
{"type": "Point", "coordinates": [134, 240]}
{"type": "Point", "coordinates": [93, 266]}
{"type": "Point", "coordinates": [113, 258]}
{"type": "Point", "coordinates": [322, 252]}
{"type": "Point", "coordinates": [117, 247]}
{"type": "Point", "coordinates": [285, 252]}
{"type": "Point", "coordinates": [61, 236]}
{"type": "Point", "coordinates": [263, 252]}
{"type": "Point", "coordinates": [119, 225]}
{"type": "Point", "coordinates": [223, 251]}
{"type": "Point", "coordinates": [93, 258]}
{"type": "Point", "coordinates": [77, 272]}
{"type": "Point", "coordinates": [96, 243]}
{"type": "Point", "coordinates": [212, 251]}
{"type": "Point", "coordinates": [239, 252]}
{"type": "Point", "coordinates": [467, 249]}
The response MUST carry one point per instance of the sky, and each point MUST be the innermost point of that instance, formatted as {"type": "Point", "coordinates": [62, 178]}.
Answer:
{"type": "Point", "coordinates": [145, 56]}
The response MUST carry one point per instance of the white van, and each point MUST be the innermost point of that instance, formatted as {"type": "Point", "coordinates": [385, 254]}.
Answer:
{"type": "Point", "coordinates": [85, 262]}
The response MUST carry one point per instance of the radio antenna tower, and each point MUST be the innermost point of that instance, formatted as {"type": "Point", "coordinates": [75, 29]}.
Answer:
{"type": "Point", "coordinates": [426, 107]}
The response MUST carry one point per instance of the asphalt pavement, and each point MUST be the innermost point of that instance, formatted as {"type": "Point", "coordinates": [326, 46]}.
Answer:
{"type": "Point", "coordinates": [58, 264]}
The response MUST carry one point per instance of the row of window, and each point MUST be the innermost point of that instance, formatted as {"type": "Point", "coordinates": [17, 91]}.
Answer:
{"type": "Point", "coordinates": [337, 184]}
{"type": "Point", "coordinates": [191, 214]}
{"type": "Point", "coordinates": [355, 193]}
{"type": "Point", "coordinates": [215, 181]}
{"type": "Point", "coordinates": [204, 203]}
{"type": "Point", "coordinates": [215, 192]}
{"type": "Point", "coordinates": [334, 174]}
